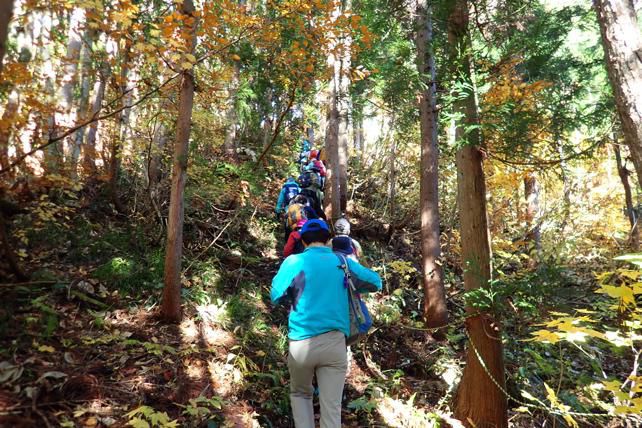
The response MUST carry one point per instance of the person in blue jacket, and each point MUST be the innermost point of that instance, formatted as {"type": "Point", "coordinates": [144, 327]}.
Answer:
{"type": "Point", "coordinates": [313, 283]}
{"type": "Point", "coordinates": [289, 190]}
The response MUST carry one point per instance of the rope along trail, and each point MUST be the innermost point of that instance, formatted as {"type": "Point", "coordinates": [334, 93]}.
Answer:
{"type": "Point", "coordinates": [548, 409]}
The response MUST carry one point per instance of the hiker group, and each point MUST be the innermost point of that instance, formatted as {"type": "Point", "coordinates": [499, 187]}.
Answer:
{"type": "Point", "coordinates": [301, 199]}
{"type": "Point", "coordinates": [321, 278]}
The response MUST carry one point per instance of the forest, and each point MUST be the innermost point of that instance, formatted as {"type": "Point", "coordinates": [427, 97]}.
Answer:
{"type": "Point", "coordinates": [487, 155]}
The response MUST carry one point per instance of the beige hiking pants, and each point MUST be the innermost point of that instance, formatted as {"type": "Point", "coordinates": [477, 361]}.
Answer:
{"type": "Point", "coordinates": [324, 355]}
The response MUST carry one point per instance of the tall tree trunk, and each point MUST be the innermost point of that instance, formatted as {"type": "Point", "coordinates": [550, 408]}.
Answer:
{"type": "Point", "coordinates": [83, 103]}
{"type": "Point", "coordinates": [622, 43]}
{"type": "Point", "coordinates": [628, 197]}
{"type": "Point", "coordinates": [435, 309]}
{"type": "Point", "coordinates": [344, 113]}
{"type": "Point", "coordinates": [89, 149]}
{"type": "Point", "coordinates": [229, 144]}
{"type": "Point", "coordinates": [171, 301]}
{"type": "Point", "coordinates": [332, 196]}
{"type": "Point", "coordinates": [53, 154]}
{"type": "Point", "coordinates": [357, 132]}
{"type": "Point", "coordinates": [566, 187]}
{"type": "Point", "coordinates": [121, 126]}
{"type": "Point", "coordinates": [70, 72]}
{"type": "Point", "coordinates": [392, 187]}
{"type": "Point", "coordinates": [8, 117]}
{"type": "Point", "coordinates": [479, 402]}
{"type": "Point", "coordinates": [337, 130]}
{"type": "Point", "coordinates": [159, 141]}
{"type": "Point", "coordinates": [6, 11]}
{"type": "Point", "coordinates": [533, 236]}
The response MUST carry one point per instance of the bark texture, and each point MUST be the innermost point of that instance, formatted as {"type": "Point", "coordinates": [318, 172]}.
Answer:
{"type": "Point", "coordinates": [435, 310]}
{"type": "Point", "coordinates": [622, 44]}
{"type": "Point", "coordinates": [8, 117]}
{"type": "Point", "coordinates": [337, 130]}
{"type": "Point", "coordinates": [121, 127]}
{"type": "Point", "coordinates": [478, 402]}
{"type": "Point", "coordinates": [83, 103]}
{"type": "Point", "coordinates": [229, 144]}
{"type": "Point", "coordinates": [70, 72]}
{"type": "Point", "coordinates": [6, 11]}
{"type": "Point", "coordinates": [332, 193]}
{"type": "Point", "coordinates": [89, 152]}
{"type": "Point", "coordinates": [628, 197]}
{"type": "Point", "coordinates": [171, 301]}
{"type": "Point", "coordinates": [533, 235]}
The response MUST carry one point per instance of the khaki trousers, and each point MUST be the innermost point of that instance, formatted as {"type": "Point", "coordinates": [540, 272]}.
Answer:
{"type": "Point", "coordinates": [324, 355]}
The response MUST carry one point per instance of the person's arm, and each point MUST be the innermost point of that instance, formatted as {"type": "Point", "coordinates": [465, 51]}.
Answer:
{"type": "Point", "coordinates": [357, 248]}
{"type": "Point", "coordinates": [289, 246]}
{"type": "Point", "coordinates": [364, 279]}
{"type": "Point", "coordinates": [282, 281]}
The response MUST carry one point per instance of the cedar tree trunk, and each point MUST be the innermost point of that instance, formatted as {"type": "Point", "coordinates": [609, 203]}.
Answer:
{"type": "Point", "coordinates": [435, 310]}
{"type": "Point", "coordinates": [622, 44]}
{"type": "Point", "coordinates": [479, 402]}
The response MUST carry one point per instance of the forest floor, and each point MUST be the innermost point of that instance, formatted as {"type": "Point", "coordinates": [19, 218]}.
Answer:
{"type": "Point", "coordinates": [82, 345]}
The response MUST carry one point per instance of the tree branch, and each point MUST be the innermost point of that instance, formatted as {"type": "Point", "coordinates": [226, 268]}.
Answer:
{"type": "Point", "coordinates": [144, 97]}
{"type": "Point", "coordinates": [267, 148]}
{"type": "Point", "coordinates": [546, 162]}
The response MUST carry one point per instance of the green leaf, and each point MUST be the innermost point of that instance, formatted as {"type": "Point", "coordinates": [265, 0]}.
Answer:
{"type": "Point", "coordinates": [138, 423]}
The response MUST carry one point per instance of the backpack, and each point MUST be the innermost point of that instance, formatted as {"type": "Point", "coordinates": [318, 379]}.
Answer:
{"type": "Point", "coordinates": [342, 244]}
{"type": "Point", "coordinates": [291, 190]}
{"type": "Point", "coordinates": [304, 180]}
{"type": "Point", "coordinates": [313, 179]}
{"type": "Point", "coordinates": [298, 247]}
{"type": "Point", "coordinates": [360, 320]}
{"type": "Point", "coordinates": [295, 213]}
{"type": "Point", "coordinates": [311, 195]}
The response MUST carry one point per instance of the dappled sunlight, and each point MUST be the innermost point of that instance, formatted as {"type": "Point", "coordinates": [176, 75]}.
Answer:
{"type": "Point", "coordinates": [194, 369]}
{"type": "Point", "coordinates": [404, 414]}
{"type": "Point", "coordinates": [215, 313]}
{"type": "Point", "coordinates": [225, 377]}
{"type": "Point", "coordinates": [189, 330]}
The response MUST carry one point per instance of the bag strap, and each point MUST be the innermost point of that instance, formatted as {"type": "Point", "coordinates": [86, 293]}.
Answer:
{"type": "Point", "coordinates": [346, 271]}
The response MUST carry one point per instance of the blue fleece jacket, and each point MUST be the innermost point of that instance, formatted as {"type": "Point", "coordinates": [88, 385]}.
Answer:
{"type": "Point", "coordinates": [314, 282]}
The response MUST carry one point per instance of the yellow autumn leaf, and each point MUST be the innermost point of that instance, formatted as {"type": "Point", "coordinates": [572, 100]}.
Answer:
{"type": "Point", "coordinates": [190, 57]}
{"type": "Point", "coordinates": [622, 292]}
{"type": "Point", "coordinates": [46, 348]}
{"type": "Point", "coordinates": [570, 421]}
{"type": "Point", "coordinates": [631, 274]}
{"type": "Point", "coordinates": [235, 57]}
{"type": "Point", "coordinates": [545, 336]}
{"type": "Point", "coordinates": [186, 65]}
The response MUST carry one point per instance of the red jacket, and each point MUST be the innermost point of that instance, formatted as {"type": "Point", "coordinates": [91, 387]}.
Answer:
{"type": "Point", "coordinates": [291, 244]}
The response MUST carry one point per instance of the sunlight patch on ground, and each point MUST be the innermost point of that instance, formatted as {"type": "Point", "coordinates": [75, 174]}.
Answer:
{"type": "Point", "coordinates": [217, 337]}
{"type": "Point", "coordinates": [189, 330]}
{"type": "Point", "coordinates": [225, 377]}
{"type": "Point", "coordinates": [214, 313]}
{"type": "Point", "coordinates": [194, 369]}
{"type": "Point", "coordinates": [397, 413]}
